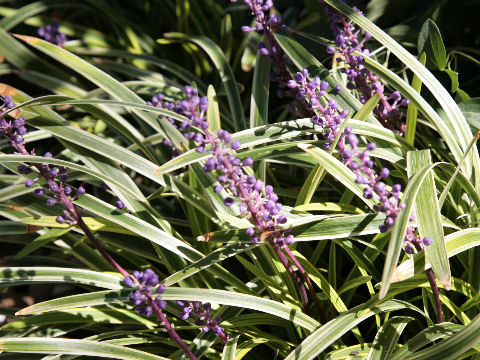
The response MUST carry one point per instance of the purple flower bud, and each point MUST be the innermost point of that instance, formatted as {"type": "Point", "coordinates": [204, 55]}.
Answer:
{"type": "Point", "coordinates": [371, 146]}
{"type": "Point", "coordinates": [119, 204]}
{"type": "Point", "coordinates": [427, 241]}
{"type": "Point", "coordinates": [299, 77]}
{"type": "Point", "coordinates": [352, 140]}
{"type": "Point", "coordinates": [129, 281]}
{"type": "Point", "coordinates": [209, 165]}
{"type": "Point", "coordinates": [60, 219]}
{"type": "Point", "coordinates": [235, 145]}
{"type": "Point", "coordinates": [289, 239]}
{"type": "Point", "coordinates": [29, 182]}
{"type": "Point", "coordinates": [53, 187]}
{"type": "Point", "coordinates": [292, 84]}
{"type": "Point", "coordinates": [228, 201]}
{"type": "Point", "coordinates": [409, 249]}
{"type": "Point", "coordinates": [247, 161]}
{"type": "Point", "coordinates": [217, 188]}
{"type": "Point", "coordinates": [331, 49]}
{"type": "Point", "coordinates": [67, 190]}
{"type": "Point", "coordinates": [80, 190]}
{"type": "Point", "coordinates": [282, 219]}
{"type": "Point", "coordinates": [258, 185]}
{"type": "Point", "coordinates": [367, 193]}
{"type": "Point", "coordinates": [39, 192]}
{"type": "Point", "coordinates": [384, 173]}
{"type": "Point", "coordinates": [51, 202]}
{"type": "Point", "coordinates": [48, 155]}
{"type": "Point", "coordinates": [203, 106]}
{"type": "Point", "coordinates": [250, 231]}
{"type": "Point", "coordinates": [161, 303]}
{"type": "Point", "coordinates": [361, 179]}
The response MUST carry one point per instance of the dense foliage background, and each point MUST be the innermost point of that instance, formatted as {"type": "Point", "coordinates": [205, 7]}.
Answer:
{"type": "Point", "coordinates": [86, 103]}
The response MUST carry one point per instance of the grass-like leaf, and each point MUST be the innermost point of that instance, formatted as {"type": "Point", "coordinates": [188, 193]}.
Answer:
{"type": "Point", "coordinates": [429, 220]}
{"type": "Point", "coordinates": [73, 347]}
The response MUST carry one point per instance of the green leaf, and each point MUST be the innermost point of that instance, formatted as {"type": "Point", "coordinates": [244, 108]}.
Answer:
{"type": "Point", "coordinates": [471, 109]}
{"type": "Point", "coordinates": [226, 74]}
{"type": "Point", "coordinates": [429, 219]}
{"type": "Point", "coordinates": [326, 228]}
{"type": "Point", "coordinates": [8, 227]}
{"type": "Point", "coordinates": [386, 339]}
{"type": "Point", "coordinates": [73, 347]}
{"type": "Point", "coordinates": [82, 316]}
{"type": "Point", "coordinates": [338, 170]}
{"type": "Point", "coordinates": [455, 243]}
{"type": "Point", "coordinates": [425, 337]}
{"type": "Point", "coordinates": [453, 78]}
{"type": "Point", "coordinates": [454, 346]}
{"type": "Point", "coordinates": [367, 108]}
{"type": "Point", "coordinates": [456, 173]}
{"type": "Point", "coordinates": [430, 41]}
{"type": "Point", "coordinates": [260, 92]}
{"type": "Point", "coordinates": [69, 165]}
{"type": "Point", "coordinates": [281, 131]}
{"type": "Point", "coordinates": [213, 113]}
{"type": "Point", "coordinates": [213, 258]}
{"type": "Point", "coordinates": [319, 340]}
{"type": "Point", "coordinates": [400, 227]}
{"type": "Point", "coordinates": [412, 111]}
{"type": "Point", "coordinates": [305, 60]}
{"type": "Point", "coordinates": [21, 57]}
{"type": "Point", "coordinates": [10, 276]}
{"type": "Point", "coordinates": [454, 115]}
{"type": "Point", "coordinates": [106, 82]}
{"type": "Point", "coordinates": [57, 126]}
{"type": "Point", "coordinates": [49, 236]}
{"type": "Point", "coordinates": [191, 294]}
{"type": "Point", "coordinates": [230, 349]}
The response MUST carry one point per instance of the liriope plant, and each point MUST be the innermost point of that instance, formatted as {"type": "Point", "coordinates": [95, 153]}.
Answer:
{"type": "Point", "coordinates": [174, 243]}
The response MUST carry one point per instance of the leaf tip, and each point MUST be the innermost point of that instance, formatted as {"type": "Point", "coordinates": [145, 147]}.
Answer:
{"type": "Point", "coordinates": [33, 228]}
{"type": "Point", "coordinates": [22, 311]}
{"type": "Point", "coordinates": [446, 283]}
{"type": "Point", "coordinates": [304, 147]}
{"type": "Point", "coordinates": [27, 39]}
{"type": "Point", "coordinates": [206, 237]}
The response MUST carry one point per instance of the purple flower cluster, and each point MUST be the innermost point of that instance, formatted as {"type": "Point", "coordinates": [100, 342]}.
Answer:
{"type": "Point", "coordinates": [349, 47]}
{"type": "Point", "coordinates": [55, 177]}
{"type": "Point", "coordinates": [361, 165]}
{"type": "Point", "coordinates": [263, 21]}
{"type": "Point", "coordinates": [329, 117]}
{"type": "Point", "coordinates": [51, 34]}
{"type": "Point", "coordinates": [159, 101]}
{"type": "Point", "coordinates": [12, 131]}
{"type": "Point", "coordinates": [148, 301]}
{"type": "Point", "coordinates": [257, 202]}
{"type": "Point", "coordinates": [202, 314]}
{"type": "Point", "coordinates": [267, 24]}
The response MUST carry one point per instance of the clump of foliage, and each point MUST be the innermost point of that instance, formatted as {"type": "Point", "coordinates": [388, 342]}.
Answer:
{"type": "Point", "coordinates": [238, 179]}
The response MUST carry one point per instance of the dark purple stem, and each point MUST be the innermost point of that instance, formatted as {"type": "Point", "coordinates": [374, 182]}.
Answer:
{"type": "Point", "coordinates": [173, 334]}
{"type": "Point", "coordinates": [306, 278]}
{"type": "Point", "coordinates": [73, 210]}
{"type": "Point", "coordinates": [433, 285]}
{"type": "Point", "coordinates": [298, 282]}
